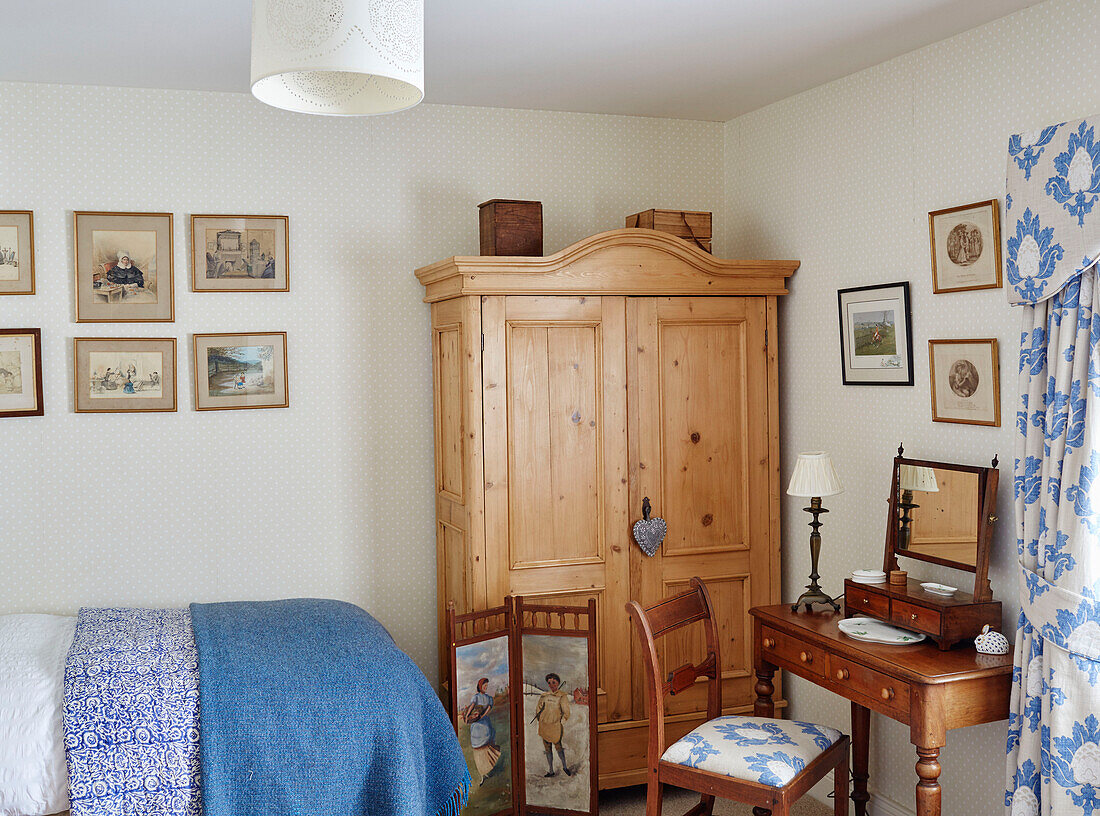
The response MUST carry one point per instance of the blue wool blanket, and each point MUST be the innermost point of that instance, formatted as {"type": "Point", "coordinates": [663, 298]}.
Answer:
{"type": "Point", "coordinates": [310, 709]}
{"type": "Point", "coordinates": [131, 714]}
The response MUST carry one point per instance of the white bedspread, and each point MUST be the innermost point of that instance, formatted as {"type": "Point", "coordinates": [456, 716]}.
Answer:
{"type": "Point", "coordinates": [33, 780]}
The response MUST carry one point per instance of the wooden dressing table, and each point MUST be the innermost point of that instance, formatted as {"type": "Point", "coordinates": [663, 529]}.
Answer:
{"type": "Point", "coordinates": [930, 690]}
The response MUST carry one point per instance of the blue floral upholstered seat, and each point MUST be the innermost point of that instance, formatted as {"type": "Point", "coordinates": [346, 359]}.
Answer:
{"type": "Point", "coordinates": [771, 752]}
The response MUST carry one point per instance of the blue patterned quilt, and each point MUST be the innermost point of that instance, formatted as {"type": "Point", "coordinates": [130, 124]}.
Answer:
{"type": "Point", "coordinates": [308, 707]}
{"type": "Point", "coordinates": [132, 714]}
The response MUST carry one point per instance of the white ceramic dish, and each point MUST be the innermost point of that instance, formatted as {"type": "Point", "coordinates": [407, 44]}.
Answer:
{"type": "Point", "coordinates": [881, 580]}
{"type": "Point", "coordinates": [868, 574]}
{"type": "Point", "coordinates": [878, 632]}
{"type": "Point", "coordinates": [939, 589]}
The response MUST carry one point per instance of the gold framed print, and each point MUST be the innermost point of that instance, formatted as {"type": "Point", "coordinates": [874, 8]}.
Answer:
{"type": "Point", "coordinates": [966, 247]}
{"type": "Point", "coordinates": [124, 374]}
{"type": "Point", "coordinates": [240, 253]}
{"type": "Point", "coordinates": [16, 252]}
{"type": "Point", "coordinates": [240, 370]}
{"type": "Point", "coordinates": [966, 385]}
{"type": "Point", "coordinates": [20, 372]}
{"type": "Point", "coordinates": [123, 267]}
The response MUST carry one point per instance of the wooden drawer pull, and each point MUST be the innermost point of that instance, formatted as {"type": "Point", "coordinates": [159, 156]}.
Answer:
{"type": "Point", "coordinates": [887, 694]}
{"type": "Point", "coordinates": [769, 643]}
{"type": "Point", "coordinates": [806, 657]}
{"type": "Point", "coordinates": [842, 674]}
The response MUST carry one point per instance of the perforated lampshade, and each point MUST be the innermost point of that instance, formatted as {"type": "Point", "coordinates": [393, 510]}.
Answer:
{"type": "Point", "coordinates": [814, 476]}
{"type": "Point", "coordinates": [917, 477]}
{"type": "Point", "coordinates": [338, 57]}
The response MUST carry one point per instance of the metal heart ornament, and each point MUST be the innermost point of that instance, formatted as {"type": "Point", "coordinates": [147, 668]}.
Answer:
{"type": "Point", "coordinates": [649, 532]}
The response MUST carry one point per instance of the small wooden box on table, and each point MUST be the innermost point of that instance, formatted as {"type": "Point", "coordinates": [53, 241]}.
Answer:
{"type": "Point", "coordinates": [921, 686]}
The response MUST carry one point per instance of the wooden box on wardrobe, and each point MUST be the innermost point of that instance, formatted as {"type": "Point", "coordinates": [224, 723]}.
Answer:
{"type": "Point", "coordinates": [570, 387]}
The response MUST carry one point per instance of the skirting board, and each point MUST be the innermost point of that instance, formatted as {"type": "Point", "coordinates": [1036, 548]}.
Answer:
{"type": "Point", "coordinates": [884, 806]}
{"type": "Point", "coordinates": [878, 806]}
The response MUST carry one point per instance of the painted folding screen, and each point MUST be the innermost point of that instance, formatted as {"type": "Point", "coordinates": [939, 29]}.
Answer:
{"type": "Point", "coordinates": [523, 702]}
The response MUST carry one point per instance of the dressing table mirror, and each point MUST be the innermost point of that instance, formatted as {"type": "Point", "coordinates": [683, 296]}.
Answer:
{"type": "Point", "coordinates": [940, 513]}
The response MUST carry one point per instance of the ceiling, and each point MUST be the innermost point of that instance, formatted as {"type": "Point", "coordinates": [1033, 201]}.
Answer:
{"type": "Point", "coordinates": [689, 59]}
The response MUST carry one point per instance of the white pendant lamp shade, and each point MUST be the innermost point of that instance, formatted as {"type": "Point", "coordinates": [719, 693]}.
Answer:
{"type": "Point", "coordinates": [338, 57]}
{"type": "Point", "coordinates": [814, 476]}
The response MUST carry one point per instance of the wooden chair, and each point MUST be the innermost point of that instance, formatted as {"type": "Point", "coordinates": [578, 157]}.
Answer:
{"type": "Point", "coordinates": [762, 762]}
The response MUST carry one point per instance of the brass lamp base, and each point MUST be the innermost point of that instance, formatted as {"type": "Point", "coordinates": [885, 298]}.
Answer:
{"type": "Point", "coordinates": [814, 594]}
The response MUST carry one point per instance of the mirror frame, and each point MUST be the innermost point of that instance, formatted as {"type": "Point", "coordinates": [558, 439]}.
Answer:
{"type": "Point", "coordinates": [987, 509]}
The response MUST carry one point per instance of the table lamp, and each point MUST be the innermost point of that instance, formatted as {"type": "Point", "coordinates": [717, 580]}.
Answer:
{"type": "Point", "coordinates": [910, 478]}
{"type": "Point", "coordinates": [814, 477]}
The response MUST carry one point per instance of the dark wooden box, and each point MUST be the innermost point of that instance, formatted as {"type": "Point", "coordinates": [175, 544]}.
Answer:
{"type": "Point", "coordinates": [511, 227]}
{"type": "Point", "coordinates": [691, 226]}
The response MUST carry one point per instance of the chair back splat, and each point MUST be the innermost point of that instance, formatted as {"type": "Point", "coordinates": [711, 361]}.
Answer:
{"type": "Point", "coordinates": [664, 618]}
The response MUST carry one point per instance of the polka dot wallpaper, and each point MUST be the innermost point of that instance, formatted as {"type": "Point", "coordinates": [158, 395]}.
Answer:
{"type": "Point", "coordinates": [331, 497]}
{"type": "Point", "coordinates": [842, 177]}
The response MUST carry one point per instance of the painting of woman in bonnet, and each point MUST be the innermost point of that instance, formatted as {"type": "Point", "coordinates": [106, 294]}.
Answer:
{"type": "Point", "coordinates": [125, 273]}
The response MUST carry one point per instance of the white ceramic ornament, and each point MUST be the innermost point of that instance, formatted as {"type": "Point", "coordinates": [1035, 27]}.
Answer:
{"type": "Point", "coordinates": [989, 642]}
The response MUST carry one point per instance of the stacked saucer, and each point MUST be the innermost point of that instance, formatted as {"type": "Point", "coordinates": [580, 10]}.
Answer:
{"type": "Point", "coordinates": [869, 576]}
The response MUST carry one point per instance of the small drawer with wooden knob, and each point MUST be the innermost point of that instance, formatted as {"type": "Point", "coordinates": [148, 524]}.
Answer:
{"type": "Point", "coordinates": [859, 601]}
{"type": "Point", "coordinates": [881, 690]}
{"type": "Point", "coordinates": [791, 653]}
{"type": "Point", "coordinates": [911, 616]}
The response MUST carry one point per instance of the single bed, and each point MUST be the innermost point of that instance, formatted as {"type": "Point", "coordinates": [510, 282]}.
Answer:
{"type": "Point", "coordinates": [286, 707]}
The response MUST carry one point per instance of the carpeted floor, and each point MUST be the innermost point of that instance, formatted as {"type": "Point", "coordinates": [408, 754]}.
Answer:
{"type": "Point", "coordinates": [631, 802]}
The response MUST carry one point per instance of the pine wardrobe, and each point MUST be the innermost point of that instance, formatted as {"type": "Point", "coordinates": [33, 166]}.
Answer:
{"type": "Point", "coordinates": [568, 388]}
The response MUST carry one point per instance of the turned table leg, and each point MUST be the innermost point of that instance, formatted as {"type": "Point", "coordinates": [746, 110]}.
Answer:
{"type": "Point", "coordinates": [928, 788]}
{"type": "Point", "coordinates": [861, 733]}
{"type": "Point", "coordinates": [764, 706]}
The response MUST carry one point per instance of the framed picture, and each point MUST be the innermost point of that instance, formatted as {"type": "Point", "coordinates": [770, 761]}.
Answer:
{"type": "Point", "coordinates": [240, 253]}
{"type": "Point", "coordinates": [123, 267]}
{"type": "Point", "coordinates": [16, 252]}
{"type": "Point", "coordinates": [966, 381]}
{"type": "Point", "coordinates": [20, 372]}
{"type": "Point", "coordinates": [876, 335]}
{"type": "Point", "coordinates": [966, 247]}
{"type": "Point", "coordinates": [124, 374]}
{"type": "Point", "coordinates": [240, 370]}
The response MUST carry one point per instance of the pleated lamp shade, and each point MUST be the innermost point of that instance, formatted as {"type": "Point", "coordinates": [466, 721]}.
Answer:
{"type": "Point", "coordinates": [814, 476]}
{"type": "Point", "coordinates": [338, 57]}
{"type": "Point", "coordinates": [916, 477]}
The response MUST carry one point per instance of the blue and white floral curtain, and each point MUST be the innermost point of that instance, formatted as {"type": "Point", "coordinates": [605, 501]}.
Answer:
{"type": "Point", "coordinates": [1052, 218]}
{"type": "Point", "coordinates": [1053, 239]}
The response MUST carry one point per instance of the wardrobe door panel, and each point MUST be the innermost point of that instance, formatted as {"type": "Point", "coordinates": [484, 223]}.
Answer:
{"type": "Point", "coordinates": [699, 449]}
{"type": "Point", "coordinates": [554, 442]}
{"type": "Point", "coordinates": [555, 430]}
{"type": "Point", "coordinates": [460, 542]}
